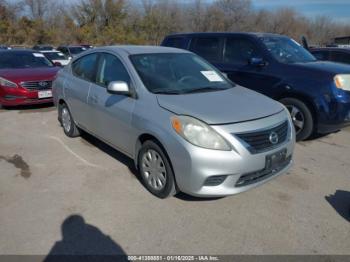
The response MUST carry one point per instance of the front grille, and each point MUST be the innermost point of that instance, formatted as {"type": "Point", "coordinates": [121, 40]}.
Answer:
{"type": "Point", "coordinates": [260, 175]}
{"type": "Point", "coordinates": [260, 141]}
{"type": "Point", "coordinates": [37, 85]}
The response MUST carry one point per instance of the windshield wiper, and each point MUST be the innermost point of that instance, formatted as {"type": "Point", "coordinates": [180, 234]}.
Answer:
{"type": "Point", "coordinates": [170, 92]}
{"type": "Point", "coordinates": [204, 89]}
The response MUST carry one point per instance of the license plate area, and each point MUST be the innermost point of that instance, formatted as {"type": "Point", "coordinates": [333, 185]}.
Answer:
{"type": "Point", "coordinates": [45, 94]}
{"type": "Point", "coordinates": [274, 163]}
{"type": "Point", "coordinates": [276, 160]}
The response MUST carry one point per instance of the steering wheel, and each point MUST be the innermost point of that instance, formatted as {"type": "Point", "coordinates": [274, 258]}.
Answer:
{"type": "Point", "coordinates": [186, 78]}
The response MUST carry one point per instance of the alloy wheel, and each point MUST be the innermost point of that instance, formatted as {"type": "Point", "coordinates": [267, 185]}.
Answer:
{"type": "Point", "coordinates": [298, 118]}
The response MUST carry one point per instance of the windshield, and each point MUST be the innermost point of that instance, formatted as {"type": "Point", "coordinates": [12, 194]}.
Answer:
{"type": "Point", "coordinates": [286, 50]}
{"type": "Point", "coordinates": [178, 73]}
{"type": "Point", "coordinates": [55, 55]}
{"type": "Point", "coordinates": [76, 50]}
{"type": "Point", "coordinates": [23, 60]}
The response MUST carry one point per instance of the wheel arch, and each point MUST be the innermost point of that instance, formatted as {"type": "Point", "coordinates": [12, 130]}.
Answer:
{"type": "Point", "coordinates": [142, 139]}
{"type": "Point", "coordinates": [306, 100]}
{"type": "Point", "coordinates": [150, 137]}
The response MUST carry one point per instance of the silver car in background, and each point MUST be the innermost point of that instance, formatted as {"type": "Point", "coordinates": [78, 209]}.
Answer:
{"type": "Point", "coordinates": [185, 125]}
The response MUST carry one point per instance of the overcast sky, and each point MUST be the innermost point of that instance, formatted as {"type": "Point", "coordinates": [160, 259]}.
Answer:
{"type": "Point", "coordinates": [337, 9]}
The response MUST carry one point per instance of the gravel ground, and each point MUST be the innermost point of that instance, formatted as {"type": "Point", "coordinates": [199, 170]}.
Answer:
{"type": "Point", "coordinates": [62, 195]}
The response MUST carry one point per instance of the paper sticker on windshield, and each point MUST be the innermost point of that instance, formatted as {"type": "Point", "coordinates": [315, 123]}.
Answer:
{"type": "Point", "coordinates": [38, 55]}
{"type": "Point", "coordinates": [212, 76]}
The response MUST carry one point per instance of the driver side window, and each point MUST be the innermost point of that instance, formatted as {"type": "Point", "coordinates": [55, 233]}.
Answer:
{"type": "Point", "coordinates": [111, 69]}
{"type": "Point", "coordinates": [239, 51]}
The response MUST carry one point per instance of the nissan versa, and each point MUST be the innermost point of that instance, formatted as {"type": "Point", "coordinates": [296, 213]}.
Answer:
{"type": "Point", "coordinates": [186, 127]}
{"type": "Point", "coordinates": [316, 93]}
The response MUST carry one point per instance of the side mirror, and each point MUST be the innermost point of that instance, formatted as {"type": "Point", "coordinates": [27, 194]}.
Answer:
{"type": "Point", "coordinates": [57, 64]}
{"type": "Point", "coordinates": [257, 61]}
{"type": "Point", "coordinates": [118, 87]}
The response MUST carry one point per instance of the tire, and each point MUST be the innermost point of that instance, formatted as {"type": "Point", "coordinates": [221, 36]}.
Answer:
{"type": "Point", "coordinates": [163, 178]}
{"type": "Point", "coordinates": [302, 117]}
{"type": "Point", "coordinates": [67, 121]}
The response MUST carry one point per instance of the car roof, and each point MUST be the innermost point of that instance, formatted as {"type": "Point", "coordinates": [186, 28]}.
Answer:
{"type": "Point", "coordinates": [50, 51]}
{"type": "Point", "coordinates": [137, 49]}
{"type": "Point", "coordinates": [252, 34]}
{"type": "Point", "coordinates": [69, 46]}
{"type": "Point", "coordinates": [19, 51]}
{"type": "Point", "coordinates": [345, 50]}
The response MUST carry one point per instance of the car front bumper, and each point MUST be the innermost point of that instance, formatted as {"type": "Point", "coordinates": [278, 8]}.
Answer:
{"type": "Point", "coordinates": [21, 96]}
{"type": "Point", "coordinates": [334, 116]}
{"type": "Point", "coordinates": [194, 166]}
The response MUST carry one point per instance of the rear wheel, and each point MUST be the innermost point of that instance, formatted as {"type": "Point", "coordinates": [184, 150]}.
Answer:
{"type": "Point", "coordinates": [155, 170]}
{"type": "Point", "coordinates": [67, 122]}
{"type": "Point", "coordinates": [301, 116]}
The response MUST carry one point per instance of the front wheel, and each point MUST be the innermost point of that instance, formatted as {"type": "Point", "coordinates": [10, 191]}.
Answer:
{"type": "Point", "coordinates": [155, 170]}
{"type": "Point", "coordinates": [301, 116]}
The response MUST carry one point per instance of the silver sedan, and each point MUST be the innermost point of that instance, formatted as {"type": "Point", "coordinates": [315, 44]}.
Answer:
{"type": "Point", "coordinates": [185, 125]}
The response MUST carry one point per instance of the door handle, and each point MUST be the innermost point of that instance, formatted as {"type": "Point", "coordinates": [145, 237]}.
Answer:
{"type": "Point", "coordinates": [94, 99]}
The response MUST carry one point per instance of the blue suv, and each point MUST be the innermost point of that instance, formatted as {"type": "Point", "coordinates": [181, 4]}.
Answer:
{"type": "Point", "coordinates": [316, 93]}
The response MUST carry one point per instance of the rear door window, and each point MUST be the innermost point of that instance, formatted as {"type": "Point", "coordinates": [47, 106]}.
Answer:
{"type": "Point", "coordinates": [177, 42]}
{"type": "Point", "coordinates": [209, 48]}
{"type": "Point", "coordinates": [85, 67]}
{"type": "Point", "coordinates": [341, 57]}
{"type": "Point", "coordinates": [240, 51]}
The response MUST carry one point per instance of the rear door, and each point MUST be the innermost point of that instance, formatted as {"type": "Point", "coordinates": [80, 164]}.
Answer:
{"type": "Point", "coordinates": [77, 88]}
{"type": "Point", "coordinates": [112, 112]}
{"type": "Point", "coordinates": [208, 47]}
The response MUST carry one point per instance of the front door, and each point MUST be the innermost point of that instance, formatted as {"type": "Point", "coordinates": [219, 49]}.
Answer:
{"type": "Point", "coordinates": [236, 64]}
{"type": "Point", "coordinates": [112, 112]}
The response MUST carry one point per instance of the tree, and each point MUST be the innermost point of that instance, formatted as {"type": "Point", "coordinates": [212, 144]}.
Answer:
{"type": "Point", "coordinates": [104, 22]}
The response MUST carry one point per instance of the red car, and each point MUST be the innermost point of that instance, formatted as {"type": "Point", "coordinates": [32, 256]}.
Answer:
{"type": "Point", "coordinates": [25, 78]}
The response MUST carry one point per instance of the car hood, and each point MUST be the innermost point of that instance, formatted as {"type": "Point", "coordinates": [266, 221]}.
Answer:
{"type": "Point", "coordinates": [233, 105]}
{"type": "Point", "coordinates": [324, 67]}
{"type": "Point", "coordinates": [29, 74]}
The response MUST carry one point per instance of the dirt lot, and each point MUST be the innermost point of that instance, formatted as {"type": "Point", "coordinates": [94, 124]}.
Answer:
{"type": "Point", "coordinates": [85, 195]}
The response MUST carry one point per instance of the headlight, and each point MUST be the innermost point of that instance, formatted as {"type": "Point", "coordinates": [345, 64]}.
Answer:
{"type": "Point", "coordinates": [6, 83]}
{"type": "Point", "coordinates": [198, 133]}
{"type": "Point", "coordinates": [342, 82]}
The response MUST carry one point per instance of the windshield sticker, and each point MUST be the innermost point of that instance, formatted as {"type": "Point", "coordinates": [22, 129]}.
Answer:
{"type": "Point", "coordinates": [38, 55]}
{"type": "Point", "coordinates": [212, 76]}
{"type": "Point", "coordinates": [60, 54]}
